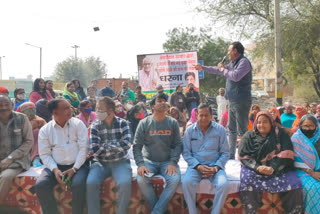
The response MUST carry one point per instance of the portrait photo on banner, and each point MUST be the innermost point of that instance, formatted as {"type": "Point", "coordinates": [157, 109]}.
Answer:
{"type": "Point", "coordinates": [167, 69]}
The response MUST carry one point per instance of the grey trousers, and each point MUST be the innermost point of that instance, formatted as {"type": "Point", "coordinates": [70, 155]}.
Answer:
{"type": "Point", "coordinates": [238, 122]}
{"type": "Point", "coordinates": [6, 179]}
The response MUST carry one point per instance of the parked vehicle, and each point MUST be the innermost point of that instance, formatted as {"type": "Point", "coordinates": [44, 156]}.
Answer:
{"type": "Point", "coordinates": [212, 102]}
{"type": "Point", "coordinates": [259, 94]}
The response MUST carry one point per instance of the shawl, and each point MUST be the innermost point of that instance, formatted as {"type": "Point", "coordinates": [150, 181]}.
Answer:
{"type": "Point", "coordinates": [193, 118]}
{"type": "Point", "coordinates": [300, 111]}
{"type": "Point", "coordinates": [255, 106]}
{"type": "Point", "coordinates": [273, 150]}
{"type": "Point", "coordinates": [278, 113]}
{"type": "Point", "coordinates": [25, 106]}
{"type": "Point", "coordinates": [252, 117]}
{"type": "Point", "coordinates": [28, 108]}
{"type": "Point", "coordinates": [277, 121]}
{"type": "Point", "coordinates": [181, 119]}
{"type": "Point", "coordinates": [306, 155]}
{"type": "Point", "coordinates": [74, 95]}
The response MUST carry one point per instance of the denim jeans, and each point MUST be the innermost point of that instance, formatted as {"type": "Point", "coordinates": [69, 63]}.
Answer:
{"type": "Point", "coordinates": [145, 186]}
{"type": "Point", "coordinates": [238, 122]}
{"type": "Point", "coordinates": [46, 182]}
{"type": "Point", "coordinates": [122, 174]}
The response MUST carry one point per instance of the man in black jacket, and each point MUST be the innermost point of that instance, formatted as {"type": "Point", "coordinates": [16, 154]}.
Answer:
{"type": "Point", "coordinates": [193, 99]}
{"type": "Point", "coordinates": [177, 99]}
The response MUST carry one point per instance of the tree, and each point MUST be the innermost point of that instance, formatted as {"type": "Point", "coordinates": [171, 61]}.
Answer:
{"type": "Point", "coordinates": [300, 30]}
{"type": "Point", "coordinates": [209, 50]}
{"type": "Point", "coordinates": [186, 39]}
{"type": "Point", "coordinates": [244, 16]}
{"type": "Point", "coordinates": [303, 52]}
{"type": "Point", "coordinates": [84, 70]}
{"type": "Point", "coordinates": [211, 53]}
{"type": "Point", "coordinates": [249, 18]}
{"type": "Point", "coordinates": [95, 68]}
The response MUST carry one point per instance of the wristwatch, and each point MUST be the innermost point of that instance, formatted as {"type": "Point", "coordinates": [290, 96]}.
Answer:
{"type": "Point", "coordinates": [216, 168]}
{"type": "Point", "coordinates": [74, 169]}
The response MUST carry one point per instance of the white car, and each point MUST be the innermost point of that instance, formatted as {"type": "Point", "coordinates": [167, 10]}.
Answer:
{"type": "Point", "coordinates": [259, 94]}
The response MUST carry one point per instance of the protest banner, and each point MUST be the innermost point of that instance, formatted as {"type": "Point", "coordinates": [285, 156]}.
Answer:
{"type": "Point", "coordinates": [167, 69]}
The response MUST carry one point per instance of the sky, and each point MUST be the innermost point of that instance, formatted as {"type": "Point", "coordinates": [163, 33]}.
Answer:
{"type": "Point", "coordinates": [127, 28]}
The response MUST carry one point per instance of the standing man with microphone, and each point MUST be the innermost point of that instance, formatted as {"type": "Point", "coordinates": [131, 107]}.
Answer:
{"type": "Point", "coordinates": [238, 90]}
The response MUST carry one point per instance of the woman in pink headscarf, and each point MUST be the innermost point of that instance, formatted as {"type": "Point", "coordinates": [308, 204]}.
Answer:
{"type": "Point", "coordinates": [193, 117]}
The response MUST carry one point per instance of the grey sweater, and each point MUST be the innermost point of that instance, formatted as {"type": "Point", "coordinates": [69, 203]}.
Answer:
{"type": "Point", "coordinates": [157, 141]}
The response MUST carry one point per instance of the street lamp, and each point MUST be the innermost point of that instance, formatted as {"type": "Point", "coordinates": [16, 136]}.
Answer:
{"type": "Point", "coordinates": [40, 56]}
{"type": "Point", "coordinates": [1, 67]}
{"type": "Point", "coordinates": [75, 50]}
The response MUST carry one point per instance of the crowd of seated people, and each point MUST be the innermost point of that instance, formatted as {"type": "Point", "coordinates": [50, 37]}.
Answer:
{"type": "Point", "coordinates": [83, 139]}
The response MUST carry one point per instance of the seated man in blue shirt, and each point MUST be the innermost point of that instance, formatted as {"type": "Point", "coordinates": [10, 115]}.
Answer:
{"type": "Point", "coordinates": [206, 150]}
{"type": "Point", "coordinates": [110, 141]}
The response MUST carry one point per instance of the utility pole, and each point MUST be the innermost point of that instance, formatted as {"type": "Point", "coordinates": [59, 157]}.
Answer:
{"type": "Point", "coordinates": [40, 56]}
{"type": "Point", "coordinates": [278, 57]}
{"type": "Point", "coordinates": [1, 67]}
{"type": "Point", "coordinates": [75, 50]}
{"type": "Point", "coordinates": [40, 62]}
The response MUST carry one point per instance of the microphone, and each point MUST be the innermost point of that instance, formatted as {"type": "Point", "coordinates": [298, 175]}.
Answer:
{"type": "Point", "coordinates": [223, 59]}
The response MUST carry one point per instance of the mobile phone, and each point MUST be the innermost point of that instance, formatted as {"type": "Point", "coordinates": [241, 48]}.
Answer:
{"type": "Point", "coordinates": [149, 175]}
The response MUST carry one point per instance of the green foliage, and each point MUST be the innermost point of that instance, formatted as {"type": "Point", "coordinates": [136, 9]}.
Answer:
{"type": "Point", "coordinates": [84, 70]}
{"type": "Point", "coordinates": [186, 39]}
{"type": "Point", "coordinates": [209, 50]}
{"type": "Point", "coordinates": [95, 68]}
{"type": "Point", "coordinates": [301, 91]}
{"type": "Point", "coordinates": [300, 30]}
{"type": "Point", "coordinates": [300, 40]}
{"type": "Point", "coordinates": [211, 53]}
{"type": "Point", "coordinates": [245, 17]}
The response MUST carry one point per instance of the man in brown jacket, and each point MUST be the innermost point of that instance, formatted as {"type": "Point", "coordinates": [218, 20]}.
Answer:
{"type": "Point", "coordinates": [16, 141]}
